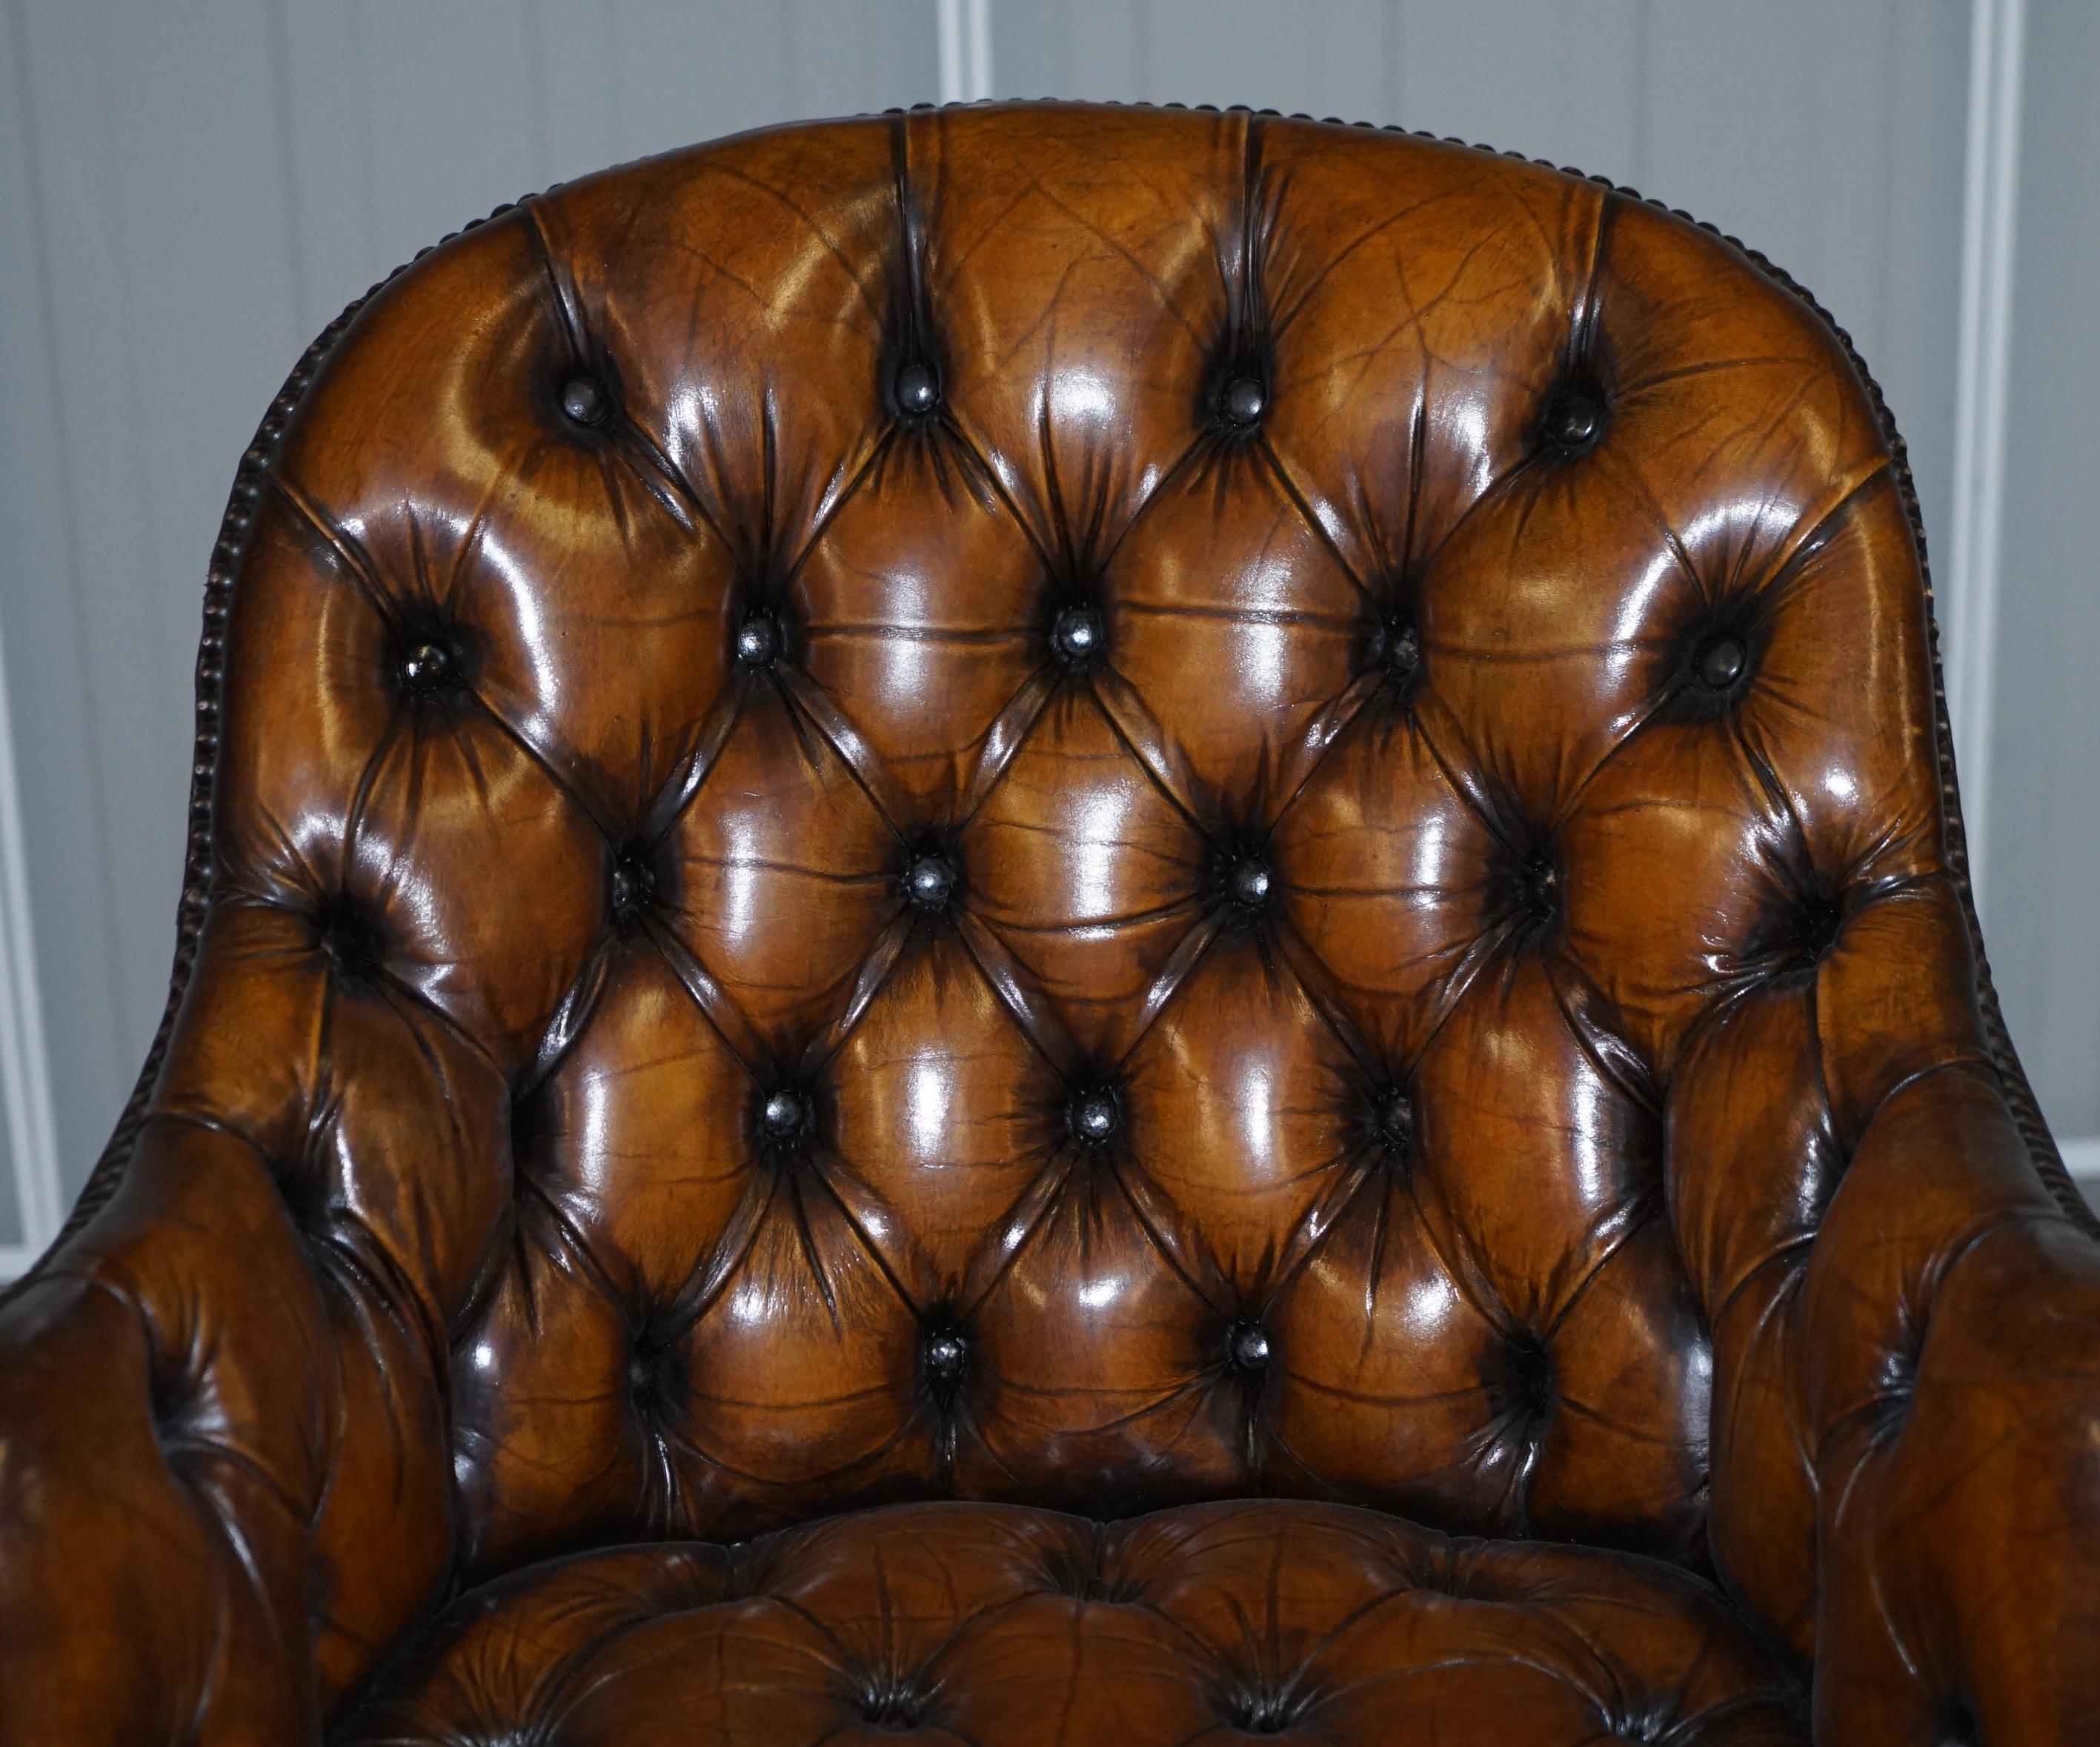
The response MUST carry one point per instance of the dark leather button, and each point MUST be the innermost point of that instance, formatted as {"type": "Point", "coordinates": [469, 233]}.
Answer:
{"type": "Point", "coordinates": [758, 641]}
{"type": "Point", "coordinates": [1077, 634]}
{"type": "Point", "coordinates": [1243, 401]}
{"type": "Point", "coordinates": [428, 667]}
{"type": "Point", "coordinates": [349, 937]}
{"type": "Point", "coordinates": [649, 1367]}
{"type": "Point", "coordinates": [944, 1355]}
{"type": "Point", "coordinates": [1721, 662]}
{"type": "Point", "coordinates": [1573, 420]}
{"type": "Point", "coordinates": [170, 1394]}
{"type": "Point", "coordinates": [785, 1114]}
{"type": "Point", "coordinates": [307, 1190]}
{"type": "Point", "coordinates": [1251, 883]}
{"type": "Point", "coordinates": [584, 400]}
{"type": "Point", "coordinates": [1531, 1374]}
{"type": "Point", "coordinates": [633, 883]}
{"type": "Point", "coordinates": [1400, 648]}
{"type": "Point", "coordinates": [1395, 1121]}
{"type": "Point", "coordinates": [897, 1710]}
{"type": "Point", "coordinates": [1247, 1346]}
{"type": "Point", "coordinates": [1538, 884]}
{"type": "Point", "coordinates": [1095, 1117]}
{"type": "Point", "coordinates": [1259, 1713]}
{"type": "Point", "coordinates": [917, 391]}
{"type": "Point", "coordinates": [1955, 1724]}
{"type": "Point", "coordinates": [929, 882]}
{"type": "Point", "coordinates": [1816, 924]}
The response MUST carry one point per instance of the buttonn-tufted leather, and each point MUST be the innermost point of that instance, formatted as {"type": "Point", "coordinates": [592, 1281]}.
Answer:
{"type": "Point", "coordinates": [1050, 925]}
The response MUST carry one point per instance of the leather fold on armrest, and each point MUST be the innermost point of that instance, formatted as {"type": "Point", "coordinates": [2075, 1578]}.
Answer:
{"type": "Point", "coordinates": [169, 1403]}
{"type": "Point", "coordinates": [1950, 1373]}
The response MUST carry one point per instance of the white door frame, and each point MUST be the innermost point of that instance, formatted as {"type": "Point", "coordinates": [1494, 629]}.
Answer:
{"type": "Point", "coordinates": [1983, 365]}
{"type": "Point", "coordinates": [1997, 49]}
{"type": "Point", "coordinates": [25, 1074]}
{"type": "Point", "coordinates": [963, 29]}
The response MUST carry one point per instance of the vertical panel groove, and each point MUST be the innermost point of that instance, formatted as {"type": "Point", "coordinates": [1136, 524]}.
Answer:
{"type": "Point", "coordinates": [1642, 173]}
{"type": "Point", "coordinates": [287, 181]}
{"type": "Point", "coordinates": [25, 1084]}
{"type": "Point", "coordinates": [1984, 358]}
{"type": "Point", "coordinates": [963, 30]}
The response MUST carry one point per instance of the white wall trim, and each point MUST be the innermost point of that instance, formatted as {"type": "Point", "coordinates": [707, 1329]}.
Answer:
{"type": "Point", "coordinates": [26, 1079]}
{"type": "Point", "coordinates": [964, 28]}
{"type": "Point", "coordinates": [1990, 198]}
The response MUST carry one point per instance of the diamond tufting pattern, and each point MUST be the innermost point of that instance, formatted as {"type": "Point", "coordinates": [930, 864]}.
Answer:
{"type": "Point", "coordinates": [1084, 813]}
{"type": "Point", "coordinates": [955, 1622]}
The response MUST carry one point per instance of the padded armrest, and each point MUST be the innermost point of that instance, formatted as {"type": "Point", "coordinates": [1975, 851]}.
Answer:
{"type": "Point", "coordinates": [223, 1489]}
{"type": "Point", "coordinates": [1950, 1365]}
{"type": "Point", "coordinates": [169, 1409]}
{"type": "Point", "coordinates": [1906, 1423]}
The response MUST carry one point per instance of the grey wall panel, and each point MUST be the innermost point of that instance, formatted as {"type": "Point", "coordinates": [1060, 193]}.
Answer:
{"type": "Point", "coordinates": [1085, 49]}
{"type": "Point", "coordinates": [42, 620]}
{"type": "Point", "coordinates": [2044, 896]}
{"type": "Point", "coordinates": [407, 119]}
{"type": "Point", "coordinates": [1562, 83]}
{"type": "Point", "coordinates": [1334, 57]}
{"type": "Point", "coordinates": [1917, 291]}
{"type": "Point", "coordinates": [152, 329]}
{"type": "Point", "coordinates": [1552, 79]}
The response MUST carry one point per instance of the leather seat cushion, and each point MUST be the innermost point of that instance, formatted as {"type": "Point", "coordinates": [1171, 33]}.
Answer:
{"type": "Point", "coordinates": [1003, 1626]}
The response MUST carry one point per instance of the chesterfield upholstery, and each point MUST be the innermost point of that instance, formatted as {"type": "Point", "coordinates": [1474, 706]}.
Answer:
{"type": "Point", "coordinates": [1038, 925]}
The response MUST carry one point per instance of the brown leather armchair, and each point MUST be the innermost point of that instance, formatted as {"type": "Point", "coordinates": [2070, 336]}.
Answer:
{"type": "Point", "coordinates": [1044, 924]}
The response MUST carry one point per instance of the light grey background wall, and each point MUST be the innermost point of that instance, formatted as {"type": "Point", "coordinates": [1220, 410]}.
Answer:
{"type": "Point", "coordinates": [188, 193]}
{"type": "Point", "coordinates": [2041, 910]}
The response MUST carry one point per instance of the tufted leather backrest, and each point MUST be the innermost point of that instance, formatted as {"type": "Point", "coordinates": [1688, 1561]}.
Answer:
{"type": "Point", "coordinates": [1090, 806]}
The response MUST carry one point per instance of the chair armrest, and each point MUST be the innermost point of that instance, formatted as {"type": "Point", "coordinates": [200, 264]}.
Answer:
{"type": "Point", "coordinates": [1951, 1377]}
{"type": "Point", "coordinates": [224, 1477]}
{"type": "Point", "coordinates": [168, 1402]}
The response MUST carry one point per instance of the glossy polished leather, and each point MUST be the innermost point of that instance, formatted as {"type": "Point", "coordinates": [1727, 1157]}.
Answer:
{"type": "Point", "coordinates": [996, 1623]}
{"type": "Point", "coordinates": [1090, 812]}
